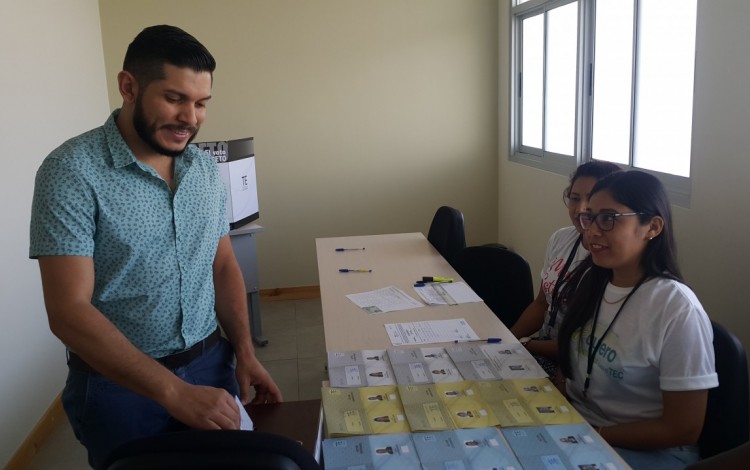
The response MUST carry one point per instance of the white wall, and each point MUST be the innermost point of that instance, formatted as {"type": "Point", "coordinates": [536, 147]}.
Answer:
{"type": "Point", "coordinates": [712, 235]}
{"type": "Point", "coordinates": [51, 87]}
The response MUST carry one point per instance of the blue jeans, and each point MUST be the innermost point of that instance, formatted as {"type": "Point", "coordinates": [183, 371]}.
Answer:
{"type": "Point", "coordinates": [675, 458]}
{"type": "Point", "coordinates": [105, 415]}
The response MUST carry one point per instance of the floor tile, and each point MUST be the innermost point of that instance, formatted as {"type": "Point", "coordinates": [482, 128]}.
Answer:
{"type": "Point", "coordinates": [311, 372]}
{"type": "Point", "coordinates": [282, 344]}
{"type": "Point", "coordinates": [309, 312]}
{"type": "Point", "coordinates": [284, 373]}
{"type": "Point", "coordinates": [277, 316]}
{"type": "Point", "coordinates": [311, 341]}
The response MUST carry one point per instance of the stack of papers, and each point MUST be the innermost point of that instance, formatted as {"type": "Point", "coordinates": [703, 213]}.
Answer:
{"type": "Point", "coordinates": [459, 449]}
{"type": "Point", "coordinates": [392, 299]}
{"type": "Point", "coordinates": [533, 448]}
{"type": "Point", "coordinates": [362, 411]}
{"type": "Point", "coordinates": [405, 366]}
{"type": "Point", "coordinates": [565, 446]}
{"type": "Point", "coordinates": [495, 361]}
{"type": "Point", "coordinates": [444, 406]}
{"type": "Point", "coordinates": [360, 368]}
{"type": "Point", "coordinates": [422, 366]}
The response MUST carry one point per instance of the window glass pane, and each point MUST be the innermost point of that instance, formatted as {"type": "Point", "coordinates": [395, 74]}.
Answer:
{"type": "Point", "coordinates": [613, 72]}
{"type": "Point", "coordinates": [664, 102]}
{"type": "Point", "coordinates": [562, 40]}
{"type": "Point", "coordinates": [532, 89]}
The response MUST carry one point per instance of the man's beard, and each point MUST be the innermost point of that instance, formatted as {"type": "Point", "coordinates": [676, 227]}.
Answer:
{"type": "Point", "coordinates": [147, 132]}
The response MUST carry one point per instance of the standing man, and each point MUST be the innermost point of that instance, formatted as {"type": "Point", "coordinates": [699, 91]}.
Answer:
{"type": "Point", "coordinates": [128, 224]}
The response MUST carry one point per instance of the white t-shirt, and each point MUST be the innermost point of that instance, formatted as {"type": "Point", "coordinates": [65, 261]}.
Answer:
{"type": "Point", "coordinates": [558, 250]}
{"type": "Point", "coordinates": [662, 340]}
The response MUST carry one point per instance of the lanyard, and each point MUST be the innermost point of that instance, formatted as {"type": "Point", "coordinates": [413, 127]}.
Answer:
{"type": "Point", "coordinates": [594, 349]}
{"type": "Point", "coordinates": [555, 304]}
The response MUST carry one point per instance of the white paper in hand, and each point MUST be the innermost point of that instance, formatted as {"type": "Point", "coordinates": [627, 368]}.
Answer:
{"type": "Point", "coordinates": [246, 424]}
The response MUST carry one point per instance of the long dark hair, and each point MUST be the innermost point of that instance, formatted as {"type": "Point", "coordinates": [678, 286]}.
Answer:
{"type": "Point", "coordinates": [595, 169]}
{"type": "Point", "coordinates": [641, 192]}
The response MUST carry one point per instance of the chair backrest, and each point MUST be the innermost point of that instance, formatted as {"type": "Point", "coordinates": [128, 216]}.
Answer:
{"type": "Point", "coordinates": [226, 450]}
{"type": "Point", "coordinates": [727, 422]}
{"type": "Point", "coordinates": [501, 277]}
{"type": "Point", "coordinates": [447, 232]}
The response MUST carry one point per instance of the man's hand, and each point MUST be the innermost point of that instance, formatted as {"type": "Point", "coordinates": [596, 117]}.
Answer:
{"type": "Point", "coordinates": [203, 407]}
{"type": "Point", "coordinates": [251, 374]}
{"type": "Point", "coordinates": [231, 310]}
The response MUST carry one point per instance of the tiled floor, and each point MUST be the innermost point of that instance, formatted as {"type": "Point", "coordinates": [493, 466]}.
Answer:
{"type": "Point", "coordinates": [295, 356]}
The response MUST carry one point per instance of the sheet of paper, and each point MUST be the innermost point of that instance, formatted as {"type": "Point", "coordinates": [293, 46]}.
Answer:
{"type": "Point", "coordinates": [561, 446]}
{"type": "Point", "coordinates": [389, 451]}
{"type": "Point", "coordinates": [246, 424]}
{"type": "Point", "coordinates": [446, 293]}
{"type": "Point", "coordinates": [422, 365]}
{"type": "Point", "coordinates": [495, 361]}
{"type": "Point", "coordinates": [388, 299]}
{"type": "Point", "coordinates": [527, 402]}
{"type": "Point", "coordinates": [369, 367]}
{"type": "Point", "coordinates": [363, 410]}
{"type": "Point", "coordinates": [465, 448]}
{"type": "Point", "coordinates": [425, 332]}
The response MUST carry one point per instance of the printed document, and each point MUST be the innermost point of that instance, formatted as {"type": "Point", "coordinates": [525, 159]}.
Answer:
{"type": "Point", "coordinates": [425, 332]}
{"type": "Point", "coordinates": [388, 299]}
{"type": "Point", "coordinates": [446, 293]}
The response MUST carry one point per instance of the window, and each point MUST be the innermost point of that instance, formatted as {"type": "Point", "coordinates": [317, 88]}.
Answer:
{"type": "Point", "coordinates": [607, 80]}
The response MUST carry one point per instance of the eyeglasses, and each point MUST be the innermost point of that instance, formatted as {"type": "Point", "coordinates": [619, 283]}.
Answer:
{"type": "Point", "coordinates": [604, 220]}
{"type": "Point", "coordinates": [569, 200]}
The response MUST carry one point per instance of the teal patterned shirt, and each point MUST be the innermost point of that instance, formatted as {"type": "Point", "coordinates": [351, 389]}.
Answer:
{"type": "Point", "coordinates": [153, 249]}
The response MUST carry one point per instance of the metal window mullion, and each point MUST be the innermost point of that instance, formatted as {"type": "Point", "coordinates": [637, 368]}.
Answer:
{"type": "Point", "coordinates": [634, 81]}
{"type": "Point", "coordinates": [518, 67]}
{"type": "Point", "coordinates": [544, 83]}
{"type": "Point", "coordinates": [587, 32]}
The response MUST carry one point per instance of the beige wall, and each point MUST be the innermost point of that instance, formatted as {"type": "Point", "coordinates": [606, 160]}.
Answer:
{"type": "Point", "coordinates": [367, 116]}
{"type": "Point", "coordinates": [51, 88]}
{"type": "Point", "coordinates": [712, 235]}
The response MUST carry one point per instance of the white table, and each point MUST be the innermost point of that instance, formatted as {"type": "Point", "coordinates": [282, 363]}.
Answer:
{"type": "Point", "coordinates": [396, 260]}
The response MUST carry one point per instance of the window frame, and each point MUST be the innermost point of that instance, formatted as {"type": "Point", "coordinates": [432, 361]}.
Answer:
{"type": "Point", "coordinates": [678, 187]}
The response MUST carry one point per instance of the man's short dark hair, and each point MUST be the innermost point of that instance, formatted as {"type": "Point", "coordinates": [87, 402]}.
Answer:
{"type": "Point", "coordinates": [164, 44]}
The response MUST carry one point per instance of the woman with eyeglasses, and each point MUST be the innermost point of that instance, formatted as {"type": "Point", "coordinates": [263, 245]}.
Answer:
{"type": "Point", "coordinates": [565, 250]}
{"type": "Point", "coordinates": [635, 344]}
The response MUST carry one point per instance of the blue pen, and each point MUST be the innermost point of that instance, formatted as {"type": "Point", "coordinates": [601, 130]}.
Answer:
{"type": "Point", "coordinates": [488, 340]}
{"type": "Point", "coordinates": [349, 249]}
{"type": "Point", "coordinates": [347, 270]}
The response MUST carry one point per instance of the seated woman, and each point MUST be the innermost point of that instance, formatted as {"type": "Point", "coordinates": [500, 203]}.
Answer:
{"type": "Point", "coordinates": [636, 345]}
{"type": "Point", "coordinates": [564, 251]}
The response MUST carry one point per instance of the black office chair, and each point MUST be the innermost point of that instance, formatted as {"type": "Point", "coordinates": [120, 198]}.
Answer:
{"type": "Point", "coordinates": [447, 232]}
{"type": "Point", "coordinates": [734, 458]}
{"type": "Point", "coordinates": [204, 450]}
{"type": "Point", "coordinates": [501, 277]}
{"type": "Point", "coordinates": [728, 412]}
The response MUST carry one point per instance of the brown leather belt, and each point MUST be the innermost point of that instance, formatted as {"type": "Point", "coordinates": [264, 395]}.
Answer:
{"type": "Point", "coordinates": [173, 361]}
